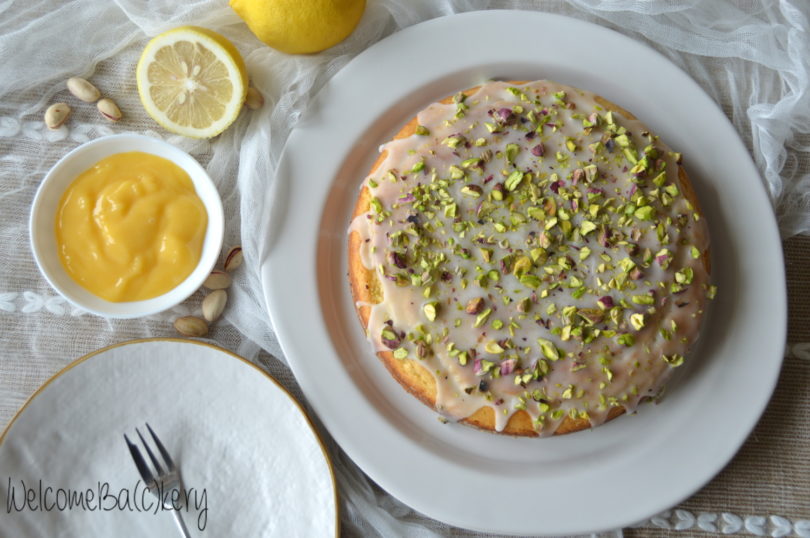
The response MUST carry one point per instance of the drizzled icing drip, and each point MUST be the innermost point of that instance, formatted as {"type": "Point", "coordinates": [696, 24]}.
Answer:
{"type": "Point", "coordinates": [534, 252]}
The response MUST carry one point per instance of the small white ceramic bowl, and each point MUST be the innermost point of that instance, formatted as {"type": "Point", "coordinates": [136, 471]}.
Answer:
{"type": "Point", "coordinates": [43, 221]}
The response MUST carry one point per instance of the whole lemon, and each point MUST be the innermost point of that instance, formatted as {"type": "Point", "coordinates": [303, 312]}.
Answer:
{"type": "Point", "coordinates": [300, 26]}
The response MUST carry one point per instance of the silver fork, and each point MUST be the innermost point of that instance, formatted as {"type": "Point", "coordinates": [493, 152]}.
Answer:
{"type": "Point", "coordinates": [165, 481]}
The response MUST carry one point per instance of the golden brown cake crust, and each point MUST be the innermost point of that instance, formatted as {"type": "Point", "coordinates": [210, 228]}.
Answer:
{"type": "Point", "coordinates": [412, 375]}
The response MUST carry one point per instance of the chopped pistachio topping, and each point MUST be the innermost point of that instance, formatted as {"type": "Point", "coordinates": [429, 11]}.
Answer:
{"type": "Point", "coordinates": [547, 236]}
{"type": "Point", "coordinates": [430, 311]}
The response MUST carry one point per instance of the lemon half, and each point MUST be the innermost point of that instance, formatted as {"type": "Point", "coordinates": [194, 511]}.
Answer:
{"type": "Point", "coordinates": [300, 27]}
{"type": "Point", "coordinates": [192, 81]}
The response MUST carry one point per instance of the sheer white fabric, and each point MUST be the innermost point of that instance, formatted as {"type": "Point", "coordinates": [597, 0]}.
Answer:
{"type": "Point", "coordinates": [750, 56]}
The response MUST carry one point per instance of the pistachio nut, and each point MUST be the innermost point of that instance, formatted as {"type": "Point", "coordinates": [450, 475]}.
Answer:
{"type": "Point", "coordinates": [83, 89]}
{"type": "Point", "coordinates": [213, 305]}
{"type": "Point", "coordinates": [109, 109]}
{"type": "Point", "coordinates": [191, 326]}
{"type": "Point", "coordinates": [254, 99]}
{"type": "Point", "coordinates": [56, 115]}
{"type": "Point", "coordinates": [218, 280]}
{"type": "Point", "coordinates": [233, 259]}
{"type": "Point", "coordinates": [475, 306]}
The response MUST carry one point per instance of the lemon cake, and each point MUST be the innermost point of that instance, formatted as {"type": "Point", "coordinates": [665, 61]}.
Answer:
{"type": "Point", "coordinates": [528, 258]}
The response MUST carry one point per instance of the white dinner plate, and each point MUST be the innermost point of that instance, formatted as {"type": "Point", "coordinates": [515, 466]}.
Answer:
{"type": "Point", "coordinates": [616, 474]}
{"type": "Point", "coordinates": [251, 462]}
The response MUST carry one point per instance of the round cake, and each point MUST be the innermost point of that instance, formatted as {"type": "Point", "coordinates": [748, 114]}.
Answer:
{"type": "Point", "coordinates": [528, 258]}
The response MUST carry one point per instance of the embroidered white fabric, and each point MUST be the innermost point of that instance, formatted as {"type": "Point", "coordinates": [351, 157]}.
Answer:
{"type": "Point", "coordinates": [750, 56]}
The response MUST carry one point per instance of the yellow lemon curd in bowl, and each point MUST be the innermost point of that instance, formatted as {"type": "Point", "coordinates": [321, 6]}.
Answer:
{"type": "Point", "coordinates": [131, 227]}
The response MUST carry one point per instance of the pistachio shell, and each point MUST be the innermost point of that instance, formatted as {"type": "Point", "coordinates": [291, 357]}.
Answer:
{"type": "Point", "coordinates": [213, 305]}
{"type": "Point", "coordinates": [109, 109]}
{"type": "Point", "coordinates": [191, 326]}
{"type": "Point", "coordinates": [218, 280]}
{"type": "Point", "coordinates": [56, 115]}
{"type": "Point", "coordinates": [83, 89]}
{"type": "Point", "coordinates": [254, 99]}
{"type": "Point", "coordinates": [233, 259]}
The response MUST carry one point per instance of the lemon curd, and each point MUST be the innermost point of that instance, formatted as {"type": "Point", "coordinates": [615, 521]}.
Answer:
{"type": "Point", "coordinates": [131, 227]}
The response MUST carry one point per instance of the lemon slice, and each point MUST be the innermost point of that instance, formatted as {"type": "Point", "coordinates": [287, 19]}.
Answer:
{"type": "Point", "coordinates": [192, 81]}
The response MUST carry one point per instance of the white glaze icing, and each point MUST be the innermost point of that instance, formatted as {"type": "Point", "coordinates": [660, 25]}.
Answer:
{"type": "Point", "coordinates": [589, 377]}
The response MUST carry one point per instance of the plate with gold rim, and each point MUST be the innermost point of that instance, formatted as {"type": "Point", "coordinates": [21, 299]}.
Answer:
{"type": "Point", "coordinates": [251, 461]}
{"type": "Point", "coordinates": [612, 476]}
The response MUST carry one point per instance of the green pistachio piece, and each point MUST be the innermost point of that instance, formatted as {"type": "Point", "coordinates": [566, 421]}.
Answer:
{"type": "Point", "coordinates": [622, 140]}
{"type": "Point", "coordinates": [493, 348]}
{"type": "Point", "coordinates": [645, 299]}
{"type": "Point", "coordinates": [524, 305]}
{"type": "Point", "coordinates": [549, 350]}
{"type": "Point", "coordinates": [472, 190]}
{"type": "Point", "coordinates": [418, 167]}
{"type": "Point", "coordinates": [626, 339]}
{"type": "Point", "coordinates": [660, 179]}
{"type": "Point", "coordinates": [453, 141]}
{"type": "Point", "coordinates": [538, 255]}
{"type": "Point", "coordinates": [482, 317]}
{"type": "Point", "coordinates": [695, 252]}
{"type": "Point", "coordinates": [497, 324]}
{"type": "Point", "coordinates": [522, 266]}
{"type": "Point", "coordinates": [511, 152]}
{"type": "Point", "coordinates": [530, 280]}
{"type": "Point", "coordinates": [513, 180]}
{"type": "Point", "coordinates": [376, 204]}
{"type": "Point", "coordinates": [421, 130]}
{"type": "Point", "coordinates": [430, 310]}
{"type": "Point", "coordinates": [400, 353]}
{"type": "Point", "coordinates": [711, 293]}
{"type": "Point", "coordinates": [586, 227]}
{"type": "Point", "coordinates": [570, 144]}
{"type": "Point", "coordinates": [450, 210]}
{"type": "Point", "coordinates": [631, 155]}
{"type": "Point", "coordinates": [627, 264]}
{"type": "Point", "coordinates": [591, 316]}
{"type": "Point", "coordinates": [456, 172]}
{"type": "Point", "coordinates": [373, 184]}
{"type": "Point", "coordinates": [584, 252]}
{"type": "Point", "coordinates": [536, 213]}
{"type": "Point", "coordinates": [637, 321]}
{"type": "Point", "coordinates": [646, 212]}
{"type": "Point", "coordinates": [673, 360]}
{"type": "Point", "coordinates": [591, 173]}
{"type": "Point", "coordinates": [684, 276]}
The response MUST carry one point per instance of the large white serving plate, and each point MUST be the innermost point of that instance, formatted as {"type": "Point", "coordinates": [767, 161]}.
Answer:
{"type": "Point", "coordinates": [250, 459]}
{"type": "Point", "coordinates": [614, 475]}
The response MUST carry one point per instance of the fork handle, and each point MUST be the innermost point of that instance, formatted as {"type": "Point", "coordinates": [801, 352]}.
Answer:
{"type": "Point", "coordinates": [178, 519]}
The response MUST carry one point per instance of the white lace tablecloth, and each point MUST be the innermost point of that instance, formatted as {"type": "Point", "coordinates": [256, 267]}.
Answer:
{"type": "Point", "coordinates": [752, 57]}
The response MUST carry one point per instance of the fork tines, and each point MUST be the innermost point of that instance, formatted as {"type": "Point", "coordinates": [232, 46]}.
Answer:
{"type": "Point", "coordinates": [140, 463]}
